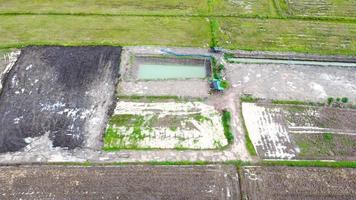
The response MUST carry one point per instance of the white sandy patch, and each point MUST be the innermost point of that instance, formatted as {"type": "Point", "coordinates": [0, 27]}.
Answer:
{"type": "Point", "coordinates": [266, 133]}
{"type": "Point", "coordinates": [206, 134]}
{"type": "Point", "coordinates": [319, 90]}
{"type": "Point", "coordinates": [11, 59]}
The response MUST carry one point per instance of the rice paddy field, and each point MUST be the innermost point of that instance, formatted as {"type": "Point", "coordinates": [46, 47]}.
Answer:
{"type": "Point", "coordinates": [244, 8]}
{"type": "Point", "coordinates": [119, 7]}
{"type": "Point", "coordinates": [318, 8]}
{"type": "Point", "coordinates": [322, 27]}
{"type": "Point", "coordinates": [287, 35]}
{"type": "Point", "coordinates": [109, 30]}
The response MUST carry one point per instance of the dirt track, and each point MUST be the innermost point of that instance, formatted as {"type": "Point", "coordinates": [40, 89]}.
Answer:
{"type": "Point", "coordinates": [124, 182]}
{"type": "Point", "coordinates": [65, 91]}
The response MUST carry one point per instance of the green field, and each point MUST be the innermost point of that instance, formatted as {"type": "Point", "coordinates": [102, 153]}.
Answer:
{"type": "Point", "coordinates": [288, 35]}
{"type": "Point", "coordinates": [319, 146]}
{"type": "Point", "coordinates": [131, 7]}
{"type": "Point", "coordinates": [245, 8]}
{"type": "Point", "coordinates": [318, 8]}
{"type": "Point", "coordinates": [272, 25]}
{"type": "Point", "coordinates": [92, 30]}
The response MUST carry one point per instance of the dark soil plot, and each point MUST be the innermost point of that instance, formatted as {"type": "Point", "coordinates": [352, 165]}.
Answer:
{"type": "Point", "coordinates": [63, 91]}
{"type": "Point", "coordinates": [125, 182]}
{"type": "Point", "coordinates": [284, 183]}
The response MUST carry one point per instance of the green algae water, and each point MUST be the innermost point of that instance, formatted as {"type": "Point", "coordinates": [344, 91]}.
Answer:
{"type": "Point", "coordinates": [170, 71]}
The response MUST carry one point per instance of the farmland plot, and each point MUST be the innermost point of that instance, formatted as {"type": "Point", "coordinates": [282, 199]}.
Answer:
{"type": "Point", "coordinates": [289, 183]}
{"type": "Point", "coordinates": [323, 133]}
{"type": "Point", "coordinates": [120, 182]}
{"type": "Point", "coordinates": [319, 8]}
{"type": "Point", "coordinates": [57, 95]}
{"type": "Point", "coordinates": [244, 7]}
{"type": "Point", "coordinates": [164, 125]}
{"type": "Point", "coordinates": [267, 132]}
{"type": "Point", "coordinates": [288, 35]}
{"type": "Point", "coordinates": [147, 7]}
{"type": "Point", "coordinates": [303, 132]}
{"type": "Point", "coordinates": [96, 30]}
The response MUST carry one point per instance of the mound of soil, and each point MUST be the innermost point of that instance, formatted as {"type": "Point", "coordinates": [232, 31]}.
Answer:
{"type": "Point", "coordinates": [57, 90]}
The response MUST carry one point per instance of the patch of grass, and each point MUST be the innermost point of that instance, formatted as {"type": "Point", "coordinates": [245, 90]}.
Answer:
{"type": "Point", "coordinates": [215, 68]}
{"type": "Point", "coordinates": [311, 163]}
{"type": "Point", "coordinates": [248, 99]}
{"type": "Point", "coordinates": [173, 128]}
{"type": "Point", "coordinates": [225, 84]}
{"type": "Point", "coordinates": [305, 36]}
{"type": "Point", "coordinates": [328, 136]}
{"type": "Point", "coordinates": [297, 102]}
{"type": "Point", "coordinates": [124, 119]}
{"type": "Point", "coordinates": [201, 118]}
{"type": "Point", "coordinates": [324, 145]}
{"type": "Point", "coordinates": [102, 30]}
{"type": "Point", "coordinates": [291, 102]}
{"type": "Point", "coordinates": [218, 144]}
{"type": "Point", "coordinates": [226, 121]}
{"type": "Point", "coordinates": [214, 28]}
{"type": "Point", "coordinates": [114, 140]}
{"type": "Point", "coordinates": [227, 56]}
{"type": "Point", "coordinates": [249, 145]}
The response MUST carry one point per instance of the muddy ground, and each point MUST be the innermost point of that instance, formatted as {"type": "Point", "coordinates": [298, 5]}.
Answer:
{"type": "Point", "coordinates": [124, 182]}
{"type": "Point", "coordinates": [283, 183]}
{"type": "Point", "coordinates": [62, 91]}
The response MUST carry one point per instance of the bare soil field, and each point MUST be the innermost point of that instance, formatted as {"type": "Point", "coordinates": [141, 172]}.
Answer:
{"type": "Point", "coordinates": [284, 183]}
{"type": "Point", "coordinates": [61, 93]}
{"type": "Point", "coordinates": [293, 82]}
{"type": "Point", "coordinates": [124, 182]}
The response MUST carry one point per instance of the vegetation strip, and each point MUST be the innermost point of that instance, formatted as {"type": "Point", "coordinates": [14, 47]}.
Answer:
{"type": "Point", "coordinates": [226, 120]}
{"type": "Point", "coordinates": [239, 16]}
{"type": "Point", "coordinates": [249, 145]}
